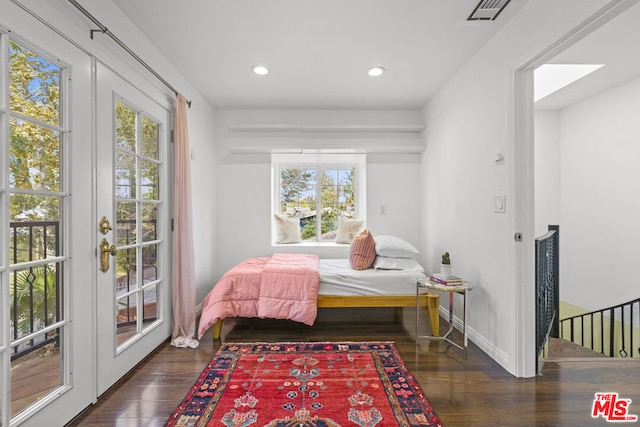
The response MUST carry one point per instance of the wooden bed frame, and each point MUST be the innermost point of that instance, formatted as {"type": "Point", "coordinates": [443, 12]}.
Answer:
{"type": "Point", "coordinates": [431, 301]}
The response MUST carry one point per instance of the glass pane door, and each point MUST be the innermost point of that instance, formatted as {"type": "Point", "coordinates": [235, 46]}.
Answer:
{"type": "Point", "coordinates": [41, 347]}
{"type": "Point", "coordinates": [137, 202]}
{"type": "Point", "coordinates": [133, 303]}
{"type": "Point", "coordinates": [37, 258]}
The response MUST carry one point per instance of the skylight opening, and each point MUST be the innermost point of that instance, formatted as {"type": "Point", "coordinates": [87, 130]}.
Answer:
{"type": "Point", "coordinates": [550, 78]}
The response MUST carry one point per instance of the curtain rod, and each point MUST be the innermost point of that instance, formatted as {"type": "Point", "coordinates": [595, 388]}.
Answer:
{"type": "Point", "coordinates": [105, 30]}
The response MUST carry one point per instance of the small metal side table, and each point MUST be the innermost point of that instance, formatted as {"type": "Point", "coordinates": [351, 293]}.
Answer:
{"type": "Point", "coordinates": [461, 289]}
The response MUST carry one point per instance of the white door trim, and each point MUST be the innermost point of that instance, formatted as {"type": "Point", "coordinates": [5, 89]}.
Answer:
{"type": "Point", "coordinates": [522, 182]}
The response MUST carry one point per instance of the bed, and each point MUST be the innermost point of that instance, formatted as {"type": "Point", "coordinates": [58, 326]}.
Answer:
{"type": "Point", "coordinates": [304, 283]}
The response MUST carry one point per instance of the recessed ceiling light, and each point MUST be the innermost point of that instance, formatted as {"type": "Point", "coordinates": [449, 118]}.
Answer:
{"type": "Point", "coordinates": [375, 71]}
{"type": "Point", "coordinates": [260, 70]}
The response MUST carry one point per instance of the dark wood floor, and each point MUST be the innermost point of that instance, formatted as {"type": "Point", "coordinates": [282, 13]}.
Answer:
{"type": "Point", "coordinates": [472, 392]}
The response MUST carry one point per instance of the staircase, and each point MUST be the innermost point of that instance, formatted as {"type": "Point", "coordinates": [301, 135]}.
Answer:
{"type": "Point", "coordinates": [612, 331]}
{"type": "Point", "coordinates": [558, 348]}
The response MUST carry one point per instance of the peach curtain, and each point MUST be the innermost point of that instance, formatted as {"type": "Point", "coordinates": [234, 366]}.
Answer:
{"type": "Point", "coordinates": [184, 283]}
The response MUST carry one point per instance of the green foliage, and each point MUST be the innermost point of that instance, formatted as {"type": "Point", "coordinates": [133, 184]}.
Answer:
{"type": "Point", "coordinates": [129, 169]}
{"type": "Point", "coordinates": [28, 243]}
{"type": "Point", "coordinates": [34, 85]}
{"type": "Point", "coordinates": [298, 197]}
{"type": "Point", "coordinates": [125, 127]}
{"type": "Point", "coordinates": [446, 259]}
{"type": "Point", "coordinates": [295, 184]}
{"type": "Point", "coordinates": [338, 197]}
{"type": "Point", "coordinates": [30, 291]}
{"type": "Point", "coordinates": [127, 122]}
{"type": "Point", "coordinates": [308, 231]}
{"type": "Point", "coordinates": [34, 152]}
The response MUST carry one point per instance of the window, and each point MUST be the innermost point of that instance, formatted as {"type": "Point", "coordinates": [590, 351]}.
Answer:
{"type": "Point", "coordinates": [34, 195]}
{"type": "Point", "coordinates": [318, 189]}
{"type": "Point", "coordinates": [138, 201]}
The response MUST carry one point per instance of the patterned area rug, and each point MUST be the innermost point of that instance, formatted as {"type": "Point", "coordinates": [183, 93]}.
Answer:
{"type": "Point", "coordinates": [305, 384]}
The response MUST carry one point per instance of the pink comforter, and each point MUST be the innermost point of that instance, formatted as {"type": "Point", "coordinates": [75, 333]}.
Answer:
{"type": "Point", "coordinates": [283, 286]}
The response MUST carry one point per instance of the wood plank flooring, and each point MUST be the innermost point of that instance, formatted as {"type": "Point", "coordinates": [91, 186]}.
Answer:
{"type": "Point", "coordinates": [472, 392]}
{"type": "Point", "coordinates": [558, 348]}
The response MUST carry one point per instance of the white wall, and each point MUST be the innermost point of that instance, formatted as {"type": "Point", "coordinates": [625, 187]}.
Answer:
{"type": "Point", "coordinates": [244, 180]}
{"type": "Point", "coordinates": [467, 122]}
{"type": "Point", "coordinates": [547, 170]}
{"type": "Point", "coordinates": [600, 177]}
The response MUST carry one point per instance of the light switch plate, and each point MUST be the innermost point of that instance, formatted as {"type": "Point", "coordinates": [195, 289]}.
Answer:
{"type": "Point", "coordinates": [500, 204]}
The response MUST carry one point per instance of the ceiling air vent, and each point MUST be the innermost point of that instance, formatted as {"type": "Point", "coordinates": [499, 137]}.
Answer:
{"type": "Point", "coordinates": [488, 10]}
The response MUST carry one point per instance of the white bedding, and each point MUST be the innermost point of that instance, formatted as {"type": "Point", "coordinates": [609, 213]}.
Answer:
{"type": "Point", "coordinates": [338, 278]}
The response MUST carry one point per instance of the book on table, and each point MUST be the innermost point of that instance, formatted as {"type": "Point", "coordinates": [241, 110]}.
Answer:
{"type": "Point", "coordinates": [449, 280]}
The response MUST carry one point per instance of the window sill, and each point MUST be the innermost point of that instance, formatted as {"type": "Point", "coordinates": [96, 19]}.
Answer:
{"type": "Point", "coordinates": [311, 245]}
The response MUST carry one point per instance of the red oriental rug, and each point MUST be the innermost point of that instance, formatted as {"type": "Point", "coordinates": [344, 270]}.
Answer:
{"type": "Point", "coordinates": [305, 384]}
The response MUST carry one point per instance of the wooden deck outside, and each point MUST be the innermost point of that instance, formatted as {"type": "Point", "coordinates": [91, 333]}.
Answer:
{"type": "Point", "coordinates": [34, 376]}
{"type": "Point", "coordinates": [39, 373]}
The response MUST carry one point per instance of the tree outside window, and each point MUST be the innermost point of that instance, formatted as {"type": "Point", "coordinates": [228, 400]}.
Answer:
{"type": "Point", "coordinates": [317, 204]}
{"type": "Point", "coordinates": [35, 139]}
{"type": "Point", "coordinates": [36, 135]}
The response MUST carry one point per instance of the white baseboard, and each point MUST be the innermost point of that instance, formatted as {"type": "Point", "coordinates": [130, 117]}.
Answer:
{"type": "Point", "coordinates": [479, 340]}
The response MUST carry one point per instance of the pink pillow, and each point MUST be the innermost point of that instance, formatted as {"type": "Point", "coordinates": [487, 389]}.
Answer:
{"type": "Point", "coordinates": [363, 251]}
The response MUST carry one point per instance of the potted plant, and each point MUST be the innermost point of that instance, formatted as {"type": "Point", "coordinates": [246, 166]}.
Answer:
{"type": "Point", "coordinates": [445, 265]}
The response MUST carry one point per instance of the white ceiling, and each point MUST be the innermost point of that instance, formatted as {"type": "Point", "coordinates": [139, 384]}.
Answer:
{"type": "Point", "coordinates": [615, 45]}
{"type": "Point", "coordinates": [318, 51]}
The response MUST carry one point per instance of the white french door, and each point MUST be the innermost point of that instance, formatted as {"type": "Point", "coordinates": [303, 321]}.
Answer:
{"type": "Point", "coordinates": [46, 228]}
{"type": "Point", "coordinates": [77, 143]}
{"type": "Point", "coordinates": [133, 243]}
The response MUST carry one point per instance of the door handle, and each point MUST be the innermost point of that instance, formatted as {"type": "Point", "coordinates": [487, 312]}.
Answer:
{"type": "Point", "coordinates": [105, 227]}
{"type": "Point", "coordinates": [105, 251]}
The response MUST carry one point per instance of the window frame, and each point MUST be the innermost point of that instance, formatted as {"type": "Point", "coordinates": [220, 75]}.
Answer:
{"type": "Point", "coordinates": [61, 259]}
{"type": "Point", "coordinates": [143, 325]}
{"type": "Point", "coordinates": [319, 161]}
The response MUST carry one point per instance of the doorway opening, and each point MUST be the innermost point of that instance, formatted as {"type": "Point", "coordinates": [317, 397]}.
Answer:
{"type": "Point", "coordinates": [584, 143]}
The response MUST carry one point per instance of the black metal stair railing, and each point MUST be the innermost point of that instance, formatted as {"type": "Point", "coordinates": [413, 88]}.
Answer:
{"type": "Point", "coordinates": [612, 331]}
{"type": "Point", "coordinates": [547, 281]}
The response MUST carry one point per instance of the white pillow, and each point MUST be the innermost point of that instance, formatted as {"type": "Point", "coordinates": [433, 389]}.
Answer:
{"type": "Point", "coordinates": [348, 229]}
{"type": "Point", "coordinates": [287, 229]}
{"type": "Point", "coordinates": [388, 263]}
{"type": "Point", "coordinates": [394, 247]}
